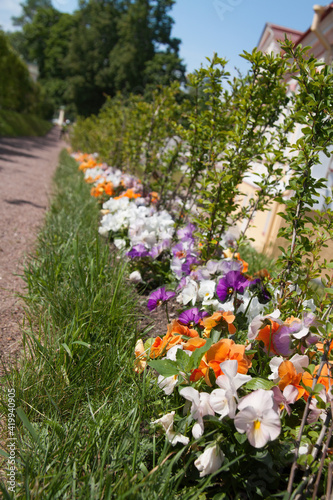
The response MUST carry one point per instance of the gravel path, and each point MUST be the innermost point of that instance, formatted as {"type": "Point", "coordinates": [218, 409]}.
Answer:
{"type": "Point", "coordinates": [27, 165]}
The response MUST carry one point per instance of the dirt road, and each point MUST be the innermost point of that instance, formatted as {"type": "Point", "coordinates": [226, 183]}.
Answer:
{"type": "Point", "coordinates": [27, 165]}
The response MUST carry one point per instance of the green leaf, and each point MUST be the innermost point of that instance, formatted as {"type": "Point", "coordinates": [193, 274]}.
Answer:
{"type": "Point", "coordinates": [241, 438]}
{"type": "Point", "coordinates": [198, 353]}
{"type": "Point", "coordinates": [149, 342]}
{"type": "Point", "coordinates": [27, 424]}
{"type": "Point", "coordinates": [165, 367]}
{"type": "Point", "coordinates": [81, 343]}
{"type": "Point", "coordinates": [215, 335]}
{"type": "Point", "coordinates": [67, 349]}
{"type": "Point", "coordinates": [4, 454]}
{"type": "Point", "coordinates": [259, 383]}
{"type": "Point", "coordinates": [318, 388]}
{"type": "Point", "coordinates": [183, 360]}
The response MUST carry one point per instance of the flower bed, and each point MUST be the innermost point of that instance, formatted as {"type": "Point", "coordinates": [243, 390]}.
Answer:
{"type": "Point", "coordinates": [249, 381]}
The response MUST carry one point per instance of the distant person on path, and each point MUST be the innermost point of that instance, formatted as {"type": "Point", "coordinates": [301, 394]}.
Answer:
{"type": "Point", "coordinates": [64, 130]}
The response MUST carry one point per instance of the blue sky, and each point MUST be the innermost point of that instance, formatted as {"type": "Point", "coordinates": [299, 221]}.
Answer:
{"type": "Point", "coordinates": [206, 26]}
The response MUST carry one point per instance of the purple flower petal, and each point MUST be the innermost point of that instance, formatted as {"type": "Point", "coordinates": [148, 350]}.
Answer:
{"type": "Point", "coordinates": [232, 282]}
{"type": "Point", "coordinates": [138, 251]}
{"type": "Point", "coordinates": [186, 232]}
{"type": "Point", "coordinates": [282, 340]}
{"type": "Point", "coordinates": [191, 316]}
{"type": "Point", "coordinates": [158, 297]}
{"type": "Point", "coordinates": [187, 265]}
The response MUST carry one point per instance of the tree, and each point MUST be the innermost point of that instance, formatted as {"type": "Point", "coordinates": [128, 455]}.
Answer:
{"type": "Point", "coordinates": [17, 90]}
{"type": "Point", "coordinates": [93, 36]}
{"type": "Point", "coordinates": [138, 58]}
{"type": "Point", "coordinates": [37, 35]}
{"type": "Point", "coordinates": [29, 9]}
{"type": "Point", "coordinates": [104, 47]}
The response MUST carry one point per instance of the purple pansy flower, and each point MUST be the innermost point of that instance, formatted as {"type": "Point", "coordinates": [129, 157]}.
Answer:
{"type": "Point", "coordinates": [230, 265]}
{"type": "Point", "coordinates": [138, 251]}
{"type": "Point", "coordinates": [233, 281]}
{"type": "Point", "coordinates": [187, 265]}
{"type": "Point", "coordinates": [299, 330]}
{"type": "Point", "coordinates": [183, 249]}
{"type": "Point", "coordinates": [159, 297]}
{"type": "Point", "coordinates": [191, 316]}
{"type": "Point", "coordinates": [156, 250]}
{"type": "Point", "coordinates": [260, 290]}
{"type": "Point", "coordinates": [186, 232]}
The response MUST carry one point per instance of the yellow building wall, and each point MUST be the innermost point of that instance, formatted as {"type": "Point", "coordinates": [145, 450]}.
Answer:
{"type": "Point", "coordinates": [265, 227]}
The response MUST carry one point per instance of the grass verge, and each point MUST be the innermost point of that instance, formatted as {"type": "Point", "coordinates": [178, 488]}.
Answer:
{"type": "Point", "coordinates": [14, 124]}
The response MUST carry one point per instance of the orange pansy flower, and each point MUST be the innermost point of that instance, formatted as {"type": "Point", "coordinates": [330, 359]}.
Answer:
{"type": "Point", "coordinates": [266, 335]}
{"type": "Point", "coordinates": [210, 322]}
{"type": "Point", "coordinates": [108, 188]}
{"type": "Point", "coordinates": [227, 349]}
{"type": "Point", "coordinates": [289, 376]}
{"type": "Point", "coordinates": [325, 378]}
{"type": "Point", "coordinates": [174, 336]}
{"type": "Point", "coordinates": [194, 343]}
{"type": "Point", "coordinates": [90, 180]}
{"type": "Point", "coordinates": [102, 187]}
{"type": "Point", "coordinates": [96, 191]}
{"type": "Point", "coordinates": [87, 163]}
{"type": "Point", "coordinates": [201, 371]}
{"type": "Point", "coordinates": [128, 194]}
{"type": "Point", "coordinates": [177, 328]}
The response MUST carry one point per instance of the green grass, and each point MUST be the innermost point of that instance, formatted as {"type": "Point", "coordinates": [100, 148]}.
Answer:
{"type": "Point", "coordinates": [257, 261]}
{"type": "Point", "coordinates": [14, 124]}
{"type": "Point", "coordinates": [83, 420]}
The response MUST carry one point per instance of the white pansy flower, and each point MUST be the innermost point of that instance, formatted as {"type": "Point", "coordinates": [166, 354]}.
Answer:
{"type": "Point", "coordinates": [206, 290]}
{"type": "Point", "coordinates": [173, 437]}
{"type": "Point", "coordinates": [223, 400]}
{"type": "Point", "coordinates": [135, 277]}
{"type": "Point", "coordinates": [189, 293]}
{"type": "Point", "coordinates": [103, 231]}
{"type": "Point", "coordinates": [199, 408]}
{"type": "Point", "coordinates": [210, 460]}
{"type": "Point", "coordinates": [274, 366]}
{"type": "Point", "coordinates": [258, 418]}
{"type": "Point", "coordinates": [120, 243]}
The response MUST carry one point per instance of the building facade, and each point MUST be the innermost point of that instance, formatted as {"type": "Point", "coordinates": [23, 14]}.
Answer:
{"type": "Point", "coordinates": [319, 37]}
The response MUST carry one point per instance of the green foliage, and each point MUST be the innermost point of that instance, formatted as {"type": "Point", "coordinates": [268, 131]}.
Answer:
{"type": "Point", "coordinates": [306, 230]}
{"type": "Point", "coordinates": [240, 126]}
{"type": "Point", "coordinates": [141, 137]}
{"type": "Point", "coordinates": [29, 9]}
{"type": "Point", "coordinates": [14, 124]}
{"type": "Point", "coordinates": [195, 148]}
{"type": "Point", "coordinates": [102, 48]}
{"type": "Point", "coordinates": [17, 90]}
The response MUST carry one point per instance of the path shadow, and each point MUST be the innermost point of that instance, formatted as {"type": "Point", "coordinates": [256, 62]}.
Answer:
{"type": "Point", "coordinates": [20, 146]}
{"type": "Point", "coordinates": [6, 152]}
{"type": "Point", "coordinates": [24, 202]}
